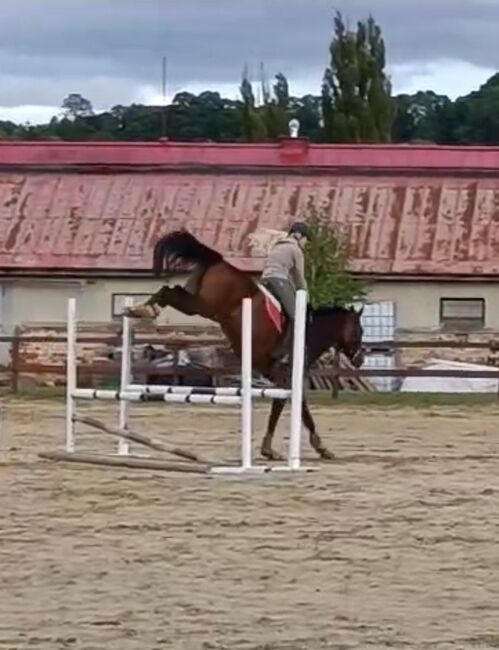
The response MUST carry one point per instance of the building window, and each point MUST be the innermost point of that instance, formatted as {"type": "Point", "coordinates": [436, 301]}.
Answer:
{"type": "Point", "coordinates": [118, 302]}
{"type": "Point", "coordinates": [462, 313]}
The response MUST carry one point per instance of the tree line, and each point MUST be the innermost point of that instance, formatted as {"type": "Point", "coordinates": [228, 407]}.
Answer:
{"type": "Point", "coordinates": [355, 105]}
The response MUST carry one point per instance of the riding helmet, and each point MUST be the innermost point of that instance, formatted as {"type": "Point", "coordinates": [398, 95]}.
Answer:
{"type": "Point", "coordinates": [300, 228]}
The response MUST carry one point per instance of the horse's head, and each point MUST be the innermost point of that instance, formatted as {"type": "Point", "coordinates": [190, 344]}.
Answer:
{"type": "Point", "coordinates": [350, 339]}
{"type": "Point", "coordinates": [336, 327]}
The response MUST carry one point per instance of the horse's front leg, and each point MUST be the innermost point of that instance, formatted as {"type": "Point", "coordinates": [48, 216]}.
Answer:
{"type": "Point", "coordinates": [314, 437]}
{"type": "Point", "coordinates": [275, 413]}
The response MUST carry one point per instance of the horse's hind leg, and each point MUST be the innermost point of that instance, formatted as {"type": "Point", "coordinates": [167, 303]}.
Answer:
{"type": "Point", "coordinates": [275, 413]}
{"type": "Point", "coordinates": [314, 437]}
{"type": "Point", "coordinates": [184, 301]}
{"type": "Point", "coordinates": [176, 297]}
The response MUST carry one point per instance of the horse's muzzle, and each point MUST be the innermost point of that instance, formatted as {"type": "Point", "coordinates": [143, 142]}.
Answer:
{"type": "Point", "coordinates": [358, 358]}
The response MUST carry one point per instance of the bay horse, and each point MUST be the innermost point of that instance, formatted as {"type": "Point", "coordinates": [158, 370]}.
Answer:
{"type": "Point", "coordinates": [215, 290]}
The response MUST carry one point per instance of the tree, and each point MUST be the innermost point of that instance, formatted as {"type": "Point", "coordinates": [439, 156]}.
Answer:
{"type": "Point", "coordinates": [207, 116]}
{"type": "Point", "coordinates": [252, 126]}
{"type": "Point", "coordinates": [327, 268]}
{"type": "Point", "coordinates": [307, 110]}
{"type": "Point", "coordinates": [75, 106]}
{"type": "Point", "coordinates": [270, 119]}
{"type": "Point", "coordinates": [275, 106]}
{"type": "Point", "coordinates": [281, 91]}
{"type": "Point", "coordinates": [476, 116]}
{"type": "Point", "coordinates": [356, 91]}
{"type": "Point", "coordinates": [423, 117]}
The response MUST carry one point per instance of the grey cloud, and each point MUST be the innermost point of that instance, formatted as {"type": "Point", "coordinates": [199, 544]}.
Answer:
{"type": "Point", "coordinates": [50, 91]}
{"type": "Point", "coordinates": [108, 49]}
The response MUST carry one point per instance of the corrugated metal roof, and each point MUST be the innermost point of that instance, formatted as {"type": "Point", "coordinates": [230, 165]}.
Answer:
{"type": "Point", "coordinates": [289, 152]}
{"type": "Point", "coordinates": [407, 226]}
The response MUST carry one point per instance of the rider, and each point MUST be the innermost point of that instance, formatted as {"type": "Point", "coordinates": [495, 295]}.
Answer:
{"type": "Point", "coordinates": [284, 273]}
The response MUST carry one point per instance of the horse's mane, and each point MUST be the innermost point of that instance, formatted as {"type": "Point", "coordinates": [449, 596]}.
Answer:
{"type": "Point", "coordinates": [328, 310]}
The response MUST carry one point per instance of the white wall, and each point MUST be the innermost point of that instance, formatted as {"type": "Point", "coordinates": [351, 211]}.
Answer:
{"type": "Point", "coordinates": [45, 301]}
{"type": "Point", "coordinates": [417, 305]}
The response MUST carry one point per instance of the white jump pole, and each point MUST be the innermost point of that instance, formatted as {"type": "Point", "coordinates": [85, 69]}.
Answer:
{"type": "Point", "coordinates": [226, 391]}
{"type": "Point", "coordinates": [125, 378]}
{"type": "Point", "coordinates": [297, 379]}
{"type": "Point", "coordinates": [246, 379]}
{"type": "Point", "coordinates": [70, 374]}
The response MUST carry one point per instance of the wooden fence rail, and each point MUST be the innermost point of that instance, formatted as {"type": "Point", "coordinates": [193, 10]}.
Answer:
{"type": "Point", "coordinates": [371, 346]}
{"type": "Point", "coordinates": [180, 374]}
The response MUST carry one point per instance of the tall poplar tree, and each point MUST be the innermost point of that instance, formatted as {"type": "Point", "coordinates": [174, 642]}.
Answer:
{"type": "Point", "coordinates": [356, 92]}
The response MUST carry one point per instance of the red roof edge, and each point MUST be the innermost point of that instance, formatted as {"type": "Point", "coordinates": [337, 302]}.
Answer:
{"type": "Point", "coordinates": [288, 153]}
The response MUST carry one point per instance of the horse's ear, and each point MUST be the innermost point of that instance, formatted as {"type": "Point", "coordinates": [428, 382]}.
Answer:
{"type": "Point", "coordinates": [361, 311]}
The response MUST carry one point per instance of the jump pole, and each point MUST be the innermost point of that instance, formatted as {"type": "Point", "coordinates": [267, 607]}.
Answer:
{"type": "Point", "coordinates": [246, 466]}
{"type": "Point", "coordinates": [246, 377]}
{"type": "Point", "coordinates": [125, 378]}
{"type": "Point", "coordinates": [70, 375]}
{"type": "Point", "coordinates": [297, 380]}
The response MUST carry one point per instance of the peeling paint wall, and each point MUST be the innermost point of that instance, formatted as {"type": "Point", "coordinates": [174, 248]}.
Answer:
{"type": "Point", "coordinates": [395, 225]}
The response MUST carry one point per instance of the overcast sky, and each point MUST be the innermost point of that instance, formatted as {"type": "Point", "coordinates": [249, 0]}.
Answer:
{"type": "Point", "coordinates": [111, 50]}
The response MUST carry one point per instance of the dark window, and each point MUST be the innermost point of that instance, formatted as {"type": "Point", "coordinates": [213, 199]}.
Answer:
{"type": "Point", "coordinates": [462, 313]}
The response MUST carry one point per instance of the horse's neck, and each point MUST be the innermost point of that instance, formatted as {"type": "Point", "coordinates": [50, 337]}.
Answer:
{"type": "Point", "coordinates": [324, 333]}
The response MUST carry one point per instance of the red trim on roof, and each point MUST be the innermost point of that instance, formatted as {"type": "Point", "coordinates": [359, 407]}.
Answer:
{"type": "Point", "coordinates": [286, 153]}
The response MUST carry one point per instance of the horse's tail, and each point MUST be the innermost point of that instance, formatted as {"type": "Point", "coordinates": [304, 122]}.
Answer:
{"type": "Point", "coordinates": [180, 247]}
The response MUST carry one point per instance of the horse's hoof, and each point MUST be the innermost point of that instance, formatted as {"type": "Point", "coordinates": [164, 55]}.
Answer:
{"type": "Point", "coordinates": [270, 454]}
{"type": "Point", "coordinates": [140, 311]}
{"type": "Point", "coordinates": [325, 454]}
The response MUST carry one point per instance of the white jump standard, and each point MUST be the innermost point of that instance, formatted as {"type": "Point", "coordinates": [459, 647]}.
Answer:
{"type": "Point", "coordinates": [230, 396]}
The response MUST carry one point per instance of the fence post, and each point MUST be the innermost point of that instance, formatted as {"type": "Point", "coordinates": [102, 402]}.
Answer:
{"type": "Point", "coordinates": [336, 375]}
{"type": "Point", "coordinates": [15, 361]}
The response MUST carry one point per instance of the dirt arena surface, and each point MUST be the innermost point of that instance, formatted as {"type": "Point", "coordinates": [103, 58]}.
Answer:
{"type": "Point", "coordinates": [395, 545]}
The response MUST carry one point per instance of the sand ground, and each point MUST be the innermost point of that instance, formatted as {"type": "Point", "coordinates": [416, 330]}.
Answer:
{"type": "Point", "coordinates": [394, 545]}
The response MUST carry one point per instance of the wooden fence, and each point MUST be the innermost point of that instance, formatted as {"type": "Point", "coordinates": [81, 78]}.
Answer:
{"type": "Point", "coordinates": [336, 374]}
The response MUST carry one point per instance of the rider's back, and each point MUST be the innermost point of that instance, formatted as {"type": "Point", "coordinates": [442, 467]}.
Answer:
{"type": "Point", "coordinates": [285, 261]}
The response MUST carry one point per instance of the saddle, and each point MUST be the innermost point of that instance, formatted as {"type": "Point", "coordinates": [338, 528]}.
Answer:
{"type": "Point", "coordinates": [274, 309]}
